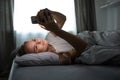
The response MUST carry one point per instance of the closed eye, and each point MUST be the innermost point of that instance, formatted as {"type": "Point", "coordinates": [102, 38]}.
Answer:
{"type": "Point", "coordinates": [33, 39]}
{"type": "Point", "coordinates": [38, 42]}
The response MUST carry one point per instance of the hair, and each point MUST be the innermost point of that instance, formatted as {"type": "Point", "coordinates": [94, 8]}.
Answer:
{"type": "Point", "coordinates": [22, 50]}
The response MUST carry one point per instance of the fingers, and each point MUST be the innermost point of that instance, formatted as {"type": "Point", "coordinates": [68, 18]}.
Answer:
{"type": "Point", "coordinates": [40, 16]}
{"type": "Point", "coordinates": [48, 15]}
{"type": "Point", "coordinates": [44, 16]}
{"type": "Point", "coordinates": [43, 27]}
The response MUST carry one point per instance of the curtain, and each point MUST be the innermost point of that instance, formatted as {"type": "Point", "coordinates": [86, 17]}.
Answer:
{"type": "Point", "coordinates": [85, 15]}
{"type": "Point", "coordinates": [6, 35]}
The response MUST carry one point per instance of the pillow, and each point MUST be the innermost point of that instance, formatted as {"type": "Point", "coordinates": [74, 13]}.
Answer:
{"type": "Point", "coordinates": [43, 58]}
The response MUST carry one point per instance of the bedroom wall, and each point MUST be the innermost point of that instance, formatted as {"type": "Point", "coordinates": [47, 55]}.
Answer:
{"type": "Point", "coordinates": [107, 14]}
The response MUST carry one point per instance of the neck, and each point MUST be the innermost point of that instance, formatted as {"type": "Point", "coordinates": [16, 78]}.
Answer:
{"type": "Point", "coordinates": [51, 48]}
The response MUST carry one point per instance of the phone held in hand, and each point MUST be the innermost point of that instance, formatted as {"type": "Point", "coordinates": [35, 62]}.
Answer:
{"type": "Point", "coordinates": [34, 19]}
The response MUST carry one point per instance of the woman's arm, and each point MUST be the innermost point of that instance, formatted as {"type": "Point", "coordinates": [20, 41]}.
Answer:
{"type": "Point", "coordinates": [76, 42]}
{"type": "Point", "coordinates": [46, 19]}
{"type": "Point", "coordinates": [59, 17]}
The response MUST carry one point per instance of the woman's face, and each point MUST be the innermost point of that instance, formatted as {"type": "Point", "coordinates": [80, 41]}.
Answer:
{"type": "Point", "coordinates": [36, 45]}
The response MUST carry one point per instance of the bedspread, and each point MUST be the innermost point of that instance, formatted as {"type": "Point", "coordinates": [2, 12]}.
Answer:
{"type": "Point", "coordinates": [102, 46]}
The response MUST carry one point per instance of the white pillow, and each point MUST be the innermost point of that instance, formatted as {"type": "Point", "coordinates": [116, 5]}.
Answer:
{"type": "Point", "coordinates": [43, 58]}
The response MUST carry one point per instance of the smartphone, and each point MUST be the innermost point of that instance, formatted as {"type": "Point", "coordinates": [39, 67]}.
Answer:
{"type": "Point", "coordinates": [34, 19]}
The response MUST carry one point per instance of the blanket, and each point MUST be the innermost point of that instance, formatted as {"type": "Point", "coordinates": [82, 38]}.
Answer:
{"type": "Point", "coordinates": [102, 46]}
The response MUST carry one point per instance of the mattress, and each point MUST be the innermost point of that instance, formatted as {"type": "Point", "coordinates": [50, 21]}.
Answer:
{"type": "Point", "coordinates": [65, 72]}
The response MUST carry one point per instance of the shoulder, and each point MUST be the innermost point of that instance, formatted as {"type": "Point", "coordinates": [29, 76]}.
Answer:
{"type": "Point", "coordinates": [50, 35]}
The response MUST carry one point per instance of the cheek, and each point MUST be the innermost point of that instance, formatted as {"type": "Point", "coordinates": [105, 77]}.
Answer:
{"type": "Point", "coordinates": [40, 47]}
{"type": "Point", "coordinates": [46, 44]}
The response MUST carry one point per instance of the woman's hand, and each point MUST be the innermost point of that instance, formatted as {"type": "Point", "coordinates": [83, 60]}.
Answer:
{"type": "Point", "coordinates": [59, 17]}
{"type": "Point", "coordinates": [46, 19]}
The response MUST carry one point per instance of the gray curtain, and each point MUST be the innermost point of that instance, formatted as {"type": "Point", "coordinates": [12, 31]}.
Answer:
{"type": "Point", "coordinates": [85, 15]}
{"type": "Point", "coordinates": [6, 35]}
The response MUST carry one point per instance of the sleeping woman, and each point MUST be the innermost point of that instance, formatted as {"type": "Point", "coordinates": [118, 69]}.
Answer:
{"type": "Point", "coordinates": [67, 46]}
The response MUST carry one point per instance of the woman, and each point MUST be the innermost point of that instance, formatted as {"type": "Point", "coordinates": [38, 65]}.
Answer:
{"type": "Point", "coordinates": [53, 22]}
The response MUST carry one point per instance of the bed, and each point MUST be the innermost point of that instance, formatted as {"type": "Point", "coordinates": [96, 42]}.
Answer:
{"type": "Point", "coordinates": [99, 62]}
{"type": "Point", "coordinates": [65, 72]}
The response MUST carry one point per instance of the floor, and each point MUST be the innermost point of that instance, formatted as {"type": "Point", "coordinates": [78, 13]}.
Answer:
{"type": "Point", "coordinates": [3, 79]}
{"type": "Point", "coordinates": [4, 75]}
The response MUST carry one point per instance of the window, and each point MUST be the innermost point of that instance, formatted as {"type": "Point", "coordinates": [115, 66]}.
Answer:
{"type": "Point", "coordinates": [24, 9]}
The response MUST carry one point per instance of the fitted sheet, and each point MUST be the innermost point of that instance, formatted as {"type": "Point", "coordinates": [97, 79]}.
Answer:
{"type": "Point", "coordinates": [65, 72]}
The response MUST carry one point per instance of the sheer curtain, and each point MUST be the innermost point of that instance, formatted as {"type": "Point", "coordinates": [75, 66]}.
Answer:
{"type": "Point", "coordinates": [85, 15]}
{"type": "Point", "coordinates": [6, 35]}
{"type": "Point", "coordinates": [24, 9]}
